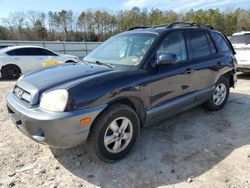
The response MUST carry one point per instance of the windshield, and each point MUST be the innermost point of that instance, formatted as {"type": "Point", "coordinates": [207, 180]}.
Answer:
{"type": "Point", "coordinates": [3, 48]}
{"type": "Point", "coordinates": [126, 49]}
{"type": "Point", "coordinates": [240, 39]}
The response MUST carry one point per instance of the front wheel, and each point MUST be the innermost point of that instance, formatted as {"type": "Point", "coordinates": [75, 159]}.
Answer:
{"type": "Point", "coordinates": [219, 96]}
{"type": "Point", "coordinates": [114, 133]}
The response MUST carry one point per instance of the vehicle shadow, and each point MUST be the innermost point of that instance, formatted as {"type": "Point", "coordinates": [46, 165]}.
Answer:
{"type": "Point", "coordinates": [186, 145]}
{"type": "Point", "coordinates": [243, 76]}
{"type": "Point", "coordinates": [6, 80]}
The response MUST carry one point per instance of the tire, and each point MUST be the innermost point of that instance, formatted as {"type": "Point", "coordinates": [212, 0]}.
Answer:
{"type": "Point", "coordinates": [218, 98]}
{"type": "Point", "coordinates": [11, 72]}
{"type": "Point", "coordinates": [105, 128]}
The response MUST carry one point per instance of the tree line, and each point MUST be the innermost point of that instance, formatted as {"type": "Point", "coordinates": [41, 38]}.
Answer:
{"type": "Point", "coordinates": [99, 25]}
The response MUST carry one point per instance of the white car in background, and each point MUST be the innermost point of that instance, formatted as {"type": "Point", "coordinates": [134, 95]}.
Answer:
{"type": "Point", "coordinates": [18, 60]}
{"type": "Point", "coordinates": [241, 44]}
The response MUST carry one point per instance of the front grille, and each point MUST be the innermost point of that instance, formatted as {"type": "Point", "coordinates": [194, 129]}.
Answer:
{"type": "Point", "coordinates": [22, 94]}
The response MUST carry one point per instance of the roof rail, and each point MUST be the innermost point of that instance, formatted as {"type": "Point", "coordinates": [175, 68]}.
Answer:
{"type": "Point", "coordinates": [175, 24]}
{"type": "Point", "coordinates": [190, 24]}
{"type": "Point", "coordinates": [185, 24]}
{"type": "Point", "coordinates": [137, 27]}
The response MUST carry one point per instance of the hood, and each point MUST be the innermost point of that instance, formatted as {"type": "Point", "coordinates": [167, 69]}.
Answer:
{"type": "Point", "coordinates": [63, 74]}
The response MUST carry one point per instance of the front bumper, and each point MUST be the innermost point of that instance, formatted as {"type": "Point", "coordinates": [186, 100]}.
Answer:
{"type": "Point", "coordinates": [60, 130]}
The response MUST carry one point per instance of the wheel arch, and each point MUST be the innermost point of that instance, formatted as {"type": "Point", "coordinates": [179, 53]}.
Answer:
{"type": "Point", "coordinates": [230, 76]}
{"type": "Point", "coordinates": [11, 64]}
{"type": "Point", "coordinates": [69, 61]}
{"type": "Point", "coordinates": [135, 103]}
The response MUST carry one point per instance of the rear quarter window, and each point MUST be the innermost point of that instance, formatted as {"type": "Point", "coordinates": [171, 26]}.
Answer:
{"type": "Point", "coordinates": [220, 42]}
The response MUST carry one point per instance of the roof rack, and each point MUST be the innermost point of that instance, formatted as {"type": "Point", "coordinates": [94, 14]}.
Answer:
{"type": "Point", "coordinates": [175, 24]}
{"type": "Point", "coordinates": [137, 27]}
{"type": "Point", "coordinates": [184, 24]}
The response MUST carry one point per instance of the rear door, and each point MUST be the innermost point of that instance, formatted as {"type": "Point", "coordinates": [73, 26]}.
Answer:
{"type": "Point", "coordinates": [208, 61]}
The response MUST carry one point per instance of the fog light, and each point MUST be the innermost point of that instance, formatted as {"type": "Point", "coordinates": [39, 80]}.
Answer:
{"type": "Point", "coordinates": [39, 136]}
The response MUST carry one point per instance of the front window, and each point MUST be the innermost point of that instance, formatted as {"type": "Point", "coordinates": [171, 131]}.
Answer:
{"type": "Point", "coordinates": [125, 49]}
{"type": "Point", "coordinates": [174, 43]}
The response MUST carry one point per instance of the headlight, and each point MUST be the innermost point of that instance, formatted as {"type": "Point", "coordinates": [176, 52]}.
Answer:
{"type": "Point", "coordinates": [55, 101]}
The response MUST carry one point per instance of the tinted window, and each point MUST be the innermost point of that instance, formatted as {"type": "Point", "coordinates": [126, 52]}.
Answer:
{"type": "Point", "coordinates": [211, 43]}
{"type": "Point", "coordinates": [11, 53]}
{"type": "Point", "coordinates": [20, 52]}
{"type": "Point", "coordinates": [220, 42]}
{"type": "Point", "coordinates": [199, 44]}
{"type": "Point", "coordinates": [174, 43]}
{"type": "Point", "coordinates": [31, 52]}
{"type": "Point", "coordinates": [37, 52]}
{"type": "Point", "coordinates": [241, 39]}
{"type": "Point", "coordinates": [42, 52]}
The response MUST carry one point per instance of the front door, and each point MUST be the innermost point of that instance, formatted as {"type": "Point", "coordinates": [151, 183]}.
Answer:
{"type": "Point", "coordinates": [172, 84]}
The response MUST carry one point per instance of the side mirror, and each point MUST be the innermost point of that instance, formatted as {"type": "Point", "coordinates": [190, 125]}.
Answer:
{"type": "Point", "coordinates": [167, 58]}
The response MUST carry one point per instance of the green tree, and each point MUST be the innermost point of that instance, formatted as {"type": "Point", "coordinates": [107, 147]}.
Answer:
{"type": "Point", "coordinates": [4, 35]}
{"type": "Point", "coordinates": [40, 30]}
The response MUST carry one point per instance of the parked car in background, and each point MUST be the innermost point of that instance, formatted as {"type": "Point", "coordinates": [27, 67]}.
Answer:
{"type": "Point", "coordinates": [18, 60]}
{"type": "Point", "coordinates": [3, 46]}
{"type": "Point", "coordinates": [241, 44]}
{"type": "Point", "coordinates": [132, 80]}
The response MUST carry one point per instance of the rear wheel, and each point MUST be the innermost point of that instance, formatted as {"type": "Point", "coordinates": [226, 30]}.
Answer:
{"type": "Point", "coordinates": [11, 72]}
{"type": "Point", "coordinates": [114, 133]}
{"type": "Point", "coordinates": [220, 95]}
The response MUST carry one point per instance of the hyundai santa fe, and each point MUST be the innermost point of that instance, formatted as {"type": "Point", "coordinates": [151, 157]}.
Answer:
{"type": "Point", "coordinates": [132, 80]}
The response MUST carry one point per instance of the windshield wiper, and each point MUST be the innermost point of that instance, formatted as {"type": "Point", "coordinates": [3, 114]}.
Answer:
{"type": "Point", "coordinates": [101, 63]}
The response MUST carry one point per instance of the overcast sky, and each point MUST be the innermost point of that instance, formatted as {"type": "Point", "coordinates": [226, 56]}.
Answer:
{"type": "Point", "coordinates": [8, 6]}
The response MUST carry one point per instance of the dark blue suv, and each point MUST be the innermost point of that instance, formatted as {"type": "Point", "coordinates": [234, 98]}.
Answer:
{"type": "Point", "coordinates": [132, 80]}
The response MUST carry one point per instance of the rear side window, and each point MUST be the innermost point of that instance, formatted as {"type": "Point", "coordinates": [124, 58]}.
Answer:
{"type": "Point", "coordinates": [20, 52]}
{"type": "Point", "coordinates": [220, 42]}
{"type": "Point", "coordinates": [211, 43]}
{"type": "Point", "coordinates": [31, 52]}
{"type": "Point", "coordinates": [199, 44]}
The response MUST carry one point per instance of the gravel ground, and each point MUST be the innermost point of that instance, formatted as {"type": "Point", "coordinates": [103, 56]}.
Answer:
{"type": "Point", "coordinates": [196, 148]}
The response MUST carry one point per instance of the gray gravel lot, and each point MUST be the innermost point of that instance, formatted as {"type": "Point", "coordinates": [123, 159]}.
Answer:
{"type": "Point", "coordinates": [196, 148]}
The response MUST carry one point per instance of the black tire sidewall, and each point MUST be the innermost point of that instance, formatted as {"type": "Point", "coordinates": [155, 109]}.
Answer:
{"type": "Point", "coordinates": [103, 124]}
{"type": "Point", "coordinates": [7, 75]}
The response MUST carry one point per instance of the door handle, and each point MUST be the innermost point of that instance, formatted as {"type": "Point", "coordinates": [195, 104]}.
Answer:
{"type": "Point", "coordinates": [189, 71]}
{"type": "Point", "coordinates": [17, 58]}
